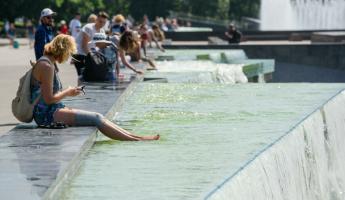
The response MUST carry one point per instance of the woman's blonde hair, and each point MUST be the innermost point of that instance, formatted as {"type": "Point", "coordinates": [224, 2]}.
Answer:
{"type": "Point", "coordinates": [128, 42]}
{"type": "Point", "coordinates": [61, 47]}
{"type": "Point", "coordinates": [119, 19]}
{"type": "Point", "coordinates": [158, 33]}
{"type": "Point", "coordinates": [92, 18]}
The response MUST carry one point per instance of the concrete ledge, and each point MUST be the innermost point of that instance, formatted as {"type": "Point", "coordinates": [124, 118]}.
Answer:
{"type": "Point", "coordinates": [328, 55]}
{"type": "Point", "coordinates": [247, 35]}
{"type": "Point", "coordinates": [37, 162]}
{"type": "Point", "coordinates": [328, 37]}
{"type": "Point", "coordinates": [216, 41]}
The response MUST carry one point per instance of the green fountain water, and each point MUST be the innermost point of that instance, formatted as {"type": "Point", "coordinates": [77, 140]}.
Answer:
{"type": "Point", "coordinates": [208, 131]}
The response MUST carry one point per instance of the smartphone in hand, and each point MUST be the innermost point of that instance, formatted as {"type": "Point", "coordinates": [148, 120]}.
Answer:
{"type": "Point", "coordinates": [81, 88]}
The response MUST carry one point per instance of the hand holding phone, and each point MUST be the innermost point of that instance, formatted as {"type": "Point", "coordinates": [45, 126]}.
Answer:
{"type": "Point", "coordinates": [81, 88]}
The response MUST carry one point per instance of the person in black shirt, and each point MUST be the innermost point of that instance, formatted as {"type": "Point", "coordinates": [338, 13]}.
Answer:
{"type": "Point", "coordinates": [233, 35]}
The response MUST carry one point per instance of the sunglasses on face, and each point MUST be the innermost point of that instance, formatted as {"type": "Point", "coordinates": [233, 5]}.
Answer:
{"type": "Point", "coordinates": [49, 17]}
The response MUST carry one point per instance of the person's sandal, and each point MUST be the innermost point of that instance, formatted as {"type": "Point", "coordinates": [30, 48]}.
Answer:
{"type": "Point", "coordinates": [56, 125]}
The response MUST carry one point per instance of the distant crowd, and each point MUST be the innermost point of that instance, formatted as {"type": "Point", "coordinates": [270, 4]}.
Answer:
{"type": "Point", "coordinates": [120, 39]}
{"type": "Point", "coordinates": [165, 24]}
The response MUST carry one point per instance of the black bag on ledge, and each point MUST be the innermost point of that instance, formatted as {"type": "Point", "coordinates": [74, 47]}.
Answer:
{"type": "Point", "coordinates": [96, 68]}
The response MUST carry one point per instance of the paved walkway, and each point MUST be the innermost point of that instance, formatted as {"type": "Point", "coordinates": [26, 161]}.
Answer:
{"type": "Point", "coordinates": [22, 41]}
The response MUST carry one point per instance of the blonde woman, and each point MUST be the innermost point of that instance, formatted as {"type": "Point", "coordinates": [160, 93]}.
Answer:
{"type": "Point", "coordinates": [117, 22]}
{"type": "Point", "coordinates": [92, 18]}
{"type": "Point", "coordinates": [50, 111]}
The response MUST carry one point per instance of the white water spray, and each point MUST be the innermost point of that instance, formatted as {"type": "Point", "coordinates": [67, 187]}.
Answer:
{"type": "Point", "coordinates": [203, 72]}
{"type": "Point", "coordinates": [302, 14]}
{"type": "Point", "coordinates": [308, 163]}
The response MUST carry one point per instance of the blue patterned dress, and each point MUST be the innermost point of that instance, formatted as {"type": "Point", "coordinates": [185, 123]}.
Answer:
{"type": "Point", "coordinates": [43, 113]}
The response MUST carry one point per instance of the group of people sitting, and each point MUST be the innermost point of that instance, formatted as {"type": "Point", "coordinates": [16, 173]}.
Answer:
{"type": "Point", "coordinates": [116, 46]}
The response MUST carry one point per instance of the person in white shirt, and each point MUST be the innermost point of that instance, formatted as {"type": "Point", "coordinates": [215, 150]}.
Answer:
{"type": "Point", "coordinates": [84, 37]}
{"type": "Point", "coordinates": [75, 25]}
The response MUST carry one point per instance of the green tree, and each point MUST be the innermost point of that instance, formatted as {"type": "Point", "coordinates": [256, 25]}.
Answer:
{"type": "Point", "coordinates": [11, 9]}
{"type": "Point", "coordinates": [152, 8]}
{"type": "Point", "coordinates": [240, 8]}
{"type": "Point", "coordinates": [223, 9]}
{"type": "Point", "coordinates": [203, 8]}
{"type": "Point", "coordinates": [218, 9]}
{"type": "Point", "coordinates": [66, 9]}
{"type": "Point", "coordinates": [115, 7]}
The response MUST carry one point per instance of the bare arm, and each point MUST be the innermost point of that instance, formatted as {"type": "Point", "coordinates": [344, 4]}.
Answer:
{"type": "Point", "coordinates": [45, 74]}
{"type": "Point", "coordinates": [85, 41]}
{"type": "Point", "coordinates": [124, 61]}
{"type": "Point", "coordinates": [228, 35]}
{"type": "Point", "coordinates": [117, 65]}
{"type": "Point", "coordinates": [156, 41]}
{"type": "Point", "coordinates": [143, 46]}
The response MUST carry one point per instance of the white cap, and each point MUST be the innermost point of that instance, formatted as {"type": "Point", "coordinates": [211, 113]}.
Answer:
{"type": "Point", "coordinates": [100, 37]}
{"type": "Point", "coordinates": [47, 12]}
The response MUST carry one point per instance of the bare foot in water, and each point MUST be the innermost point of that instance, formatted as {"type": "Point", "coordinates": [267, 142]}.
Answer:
{"type": "Point", "coordinates": [152, 137]}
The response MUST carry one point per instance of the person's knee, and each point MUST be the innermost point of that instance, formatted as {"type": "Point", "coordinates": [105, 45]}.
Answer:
{"type": "Point", "coordinates": [99, 119]}
{"type": "Point", "coordinates": [85, 118]}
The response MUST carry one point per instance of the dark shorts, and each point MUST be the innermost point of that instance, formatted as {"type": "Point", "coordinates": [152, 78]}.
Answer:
{"type": "Point", "coordinates": [44, 114]}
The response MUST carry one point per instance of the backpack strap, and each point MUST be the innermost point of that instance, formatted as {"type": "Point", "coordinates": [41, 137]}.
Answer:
{"type": "Point", "coordinates": [44, 58]}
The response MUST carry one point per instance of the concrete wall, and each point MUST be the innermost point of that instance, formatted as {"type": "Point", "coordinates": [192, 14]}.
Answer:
{"type": "Point", "coordinates": [323, 55]}
{"type": "Point", "coordinates": [329, 55]}
{"type": "Point", "coordinates": [248, 35]}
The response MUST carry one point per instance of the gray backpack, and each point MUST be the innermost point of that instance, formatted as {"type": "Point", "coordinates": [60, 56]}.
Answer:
{"type": "Point", "coordinates": [22, 106]}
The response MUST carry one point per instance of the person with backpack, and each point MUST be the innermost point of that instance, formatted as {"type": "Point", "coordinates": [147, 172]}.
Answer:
{"type": "Point", "coordinates": [84, 37]}
{"type": "Point", "coordinates": [101, 62]}
{"type": "Point", "coordinates": [46, 88]}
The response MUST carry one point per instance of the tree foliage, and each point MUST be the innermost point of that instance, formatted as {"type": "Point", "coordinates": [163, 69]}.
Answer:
{"type": "Point", "coordinates": [218, 9]}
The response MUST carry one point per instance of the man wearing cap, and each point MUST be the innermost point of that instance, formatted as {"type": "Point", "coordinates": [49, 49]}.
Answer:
{"type": "Point", "coordinates": [44, 33]}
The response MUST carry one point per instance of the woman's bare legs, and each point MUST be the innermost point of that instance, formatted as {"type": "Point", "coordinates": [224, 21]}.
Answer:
{"type": "Point", "coordinates": [110, 127]}
{"type": "Point", "coordinates": [111, 130]}
{"type": "Point", "coordinates": [150, 137]}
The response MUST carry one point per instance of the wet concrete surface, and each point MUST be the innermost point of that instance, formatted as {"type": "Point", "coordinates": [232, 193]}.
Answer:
{"type": "Point", "coordinates": [33, 159]}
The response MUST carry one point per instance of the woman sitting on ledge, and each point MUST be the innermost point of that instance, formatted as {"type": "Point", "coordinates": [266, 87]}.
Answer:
{"type": "Point", "coordinates": [50, 111]}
